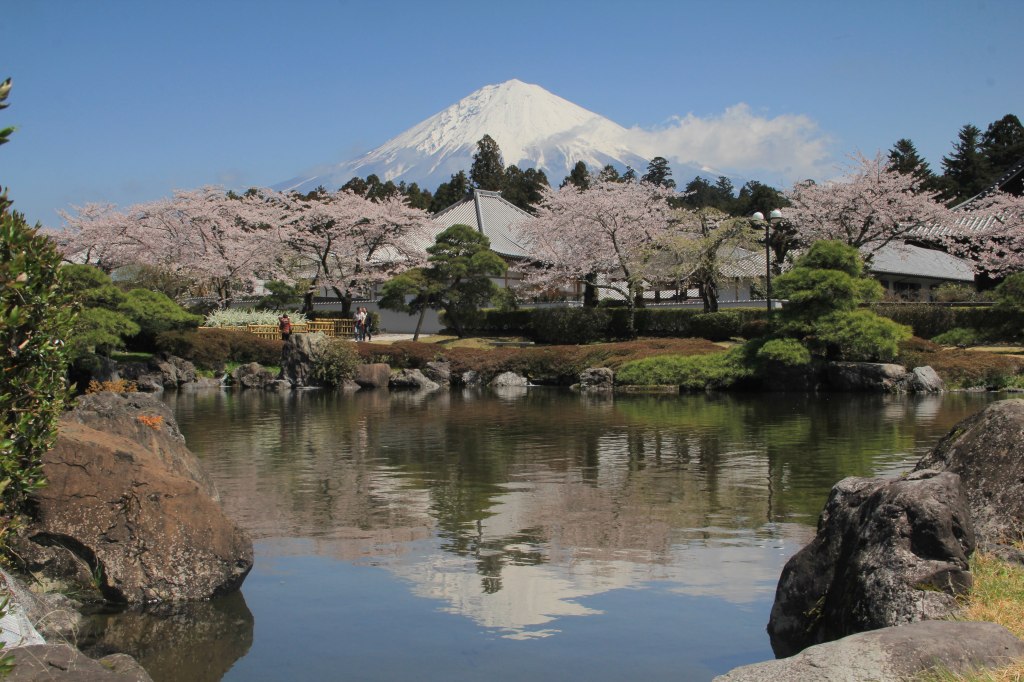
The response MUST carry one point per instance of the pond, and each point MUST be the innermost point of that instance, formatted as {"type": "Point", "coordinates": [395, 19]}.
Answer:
{"type": "Point", "coordinates": [528, 534]}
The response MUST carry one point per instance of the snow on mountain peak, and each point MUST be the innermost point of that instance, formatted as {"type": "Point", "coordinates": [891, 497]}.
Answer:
{"type": "Point", "coordinates": [533, 128]}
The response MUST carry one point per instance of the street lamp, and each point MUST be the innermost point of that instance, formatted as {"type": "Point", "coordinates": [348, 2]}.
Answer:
{"type": "Point", "coordinates": [774, 217]}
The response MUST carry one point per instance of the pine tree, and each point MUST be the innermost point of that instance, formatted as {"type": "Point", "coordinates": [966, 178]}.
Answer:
{"type": "Point", "coordinates": [488, 170]}
{"type": "Point", "coordinates": [659, 173]}
{"type": "Point", "coordinates": [1003, 145]}
{"type": "Point", "coordinates": [609, 174]}
{"type": "Point", "coordinates": [579, 177]}
{"type": "Point", "coordinates": [451, 192]}
{"type": "Point", "coordinates": [523, 188]}
{"type": "Point", "coordinates": [903, 158]}
{"type": "Point", "coordinates": [965, 171]}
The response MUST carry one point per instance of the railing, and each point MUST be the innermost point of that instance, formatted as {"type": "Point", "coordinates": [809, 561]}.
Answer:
{"type": "Point", "coordinates": [335, 328]}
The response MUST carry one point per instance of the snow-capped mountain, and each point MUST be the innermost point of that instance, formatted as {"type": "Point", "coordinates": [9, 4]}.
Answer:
{"type": "Point", "coordinates": [533, 128]}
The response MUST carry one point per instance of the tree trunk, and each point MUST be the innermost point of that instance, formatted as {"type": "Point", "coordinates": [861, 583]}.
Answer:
{"type": "Point", "coordinates": [709, 295]}
{"type": "Point", "coordinates": [419, 324]}
{"type": "Point", "coordinates": [590, 291]}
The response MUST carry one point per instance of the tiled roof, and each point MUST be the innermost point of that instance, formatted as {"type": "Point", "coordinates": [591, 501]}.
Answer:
{"type": "Point", "coordinates": [915, 261]}
{"type": "Point", "coordinates": [488, 213]}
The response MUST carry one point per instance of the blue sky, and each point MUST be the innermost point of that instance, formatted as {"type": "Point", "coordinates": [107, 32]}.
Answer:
{"type": "Point", "coordinates": [124, 101]}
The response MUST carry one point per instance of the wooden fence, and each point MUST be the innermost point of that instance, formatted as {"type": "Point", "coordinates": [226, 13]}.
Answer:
{"type": "Point", "coordinates": [335, 328]}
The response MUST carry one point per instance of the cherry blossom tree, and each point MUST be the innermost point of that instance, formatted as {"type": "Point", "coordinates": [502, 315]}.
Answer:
{"type": "Point", "coordinates": [689, 253]}
{"type": "Point", "coordinates": [606, 231]}
{"type": "Point", "coordinates": [870, 206]}
{"type": "Point", "coordinates": [97, 234]}
{"type": "Point", "coordinates": [348, 244]}
{"type": "Point", "coordinates": [989, 231]}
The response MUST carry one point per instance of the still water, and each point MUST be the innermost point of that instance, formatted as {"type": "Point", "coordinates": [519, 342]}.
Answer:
{"type": "Point", "coordinates": [529, 534]}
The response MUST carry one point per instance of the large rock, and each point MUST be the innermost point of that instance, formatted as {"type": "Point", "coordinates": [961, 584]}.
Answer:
{"type": "Point", "coordinates": [412, 379]}
{"type": "Point", "coordinates": [887, 552]}
{"type": "Point", "coordinates": [60, 662]}
{"type": "Point", "coordinates": [297, 360]}
{"type": "Point", "coordinates": [148, 421]}
{"type": "Point", "coordinates": [596, 379]}
{"type": "Point", "coordinates": [33, 618]}
{"type": "Point", "coordinates": [924, 380]}
{"type": "Point", "coordinates": [253, 375]}
{"type": "Point", "coordinates": [159, 372]}
{"type": "Point", "coordinates": [866, 377]}
{"type": "Point", "coordinates": [439, 372]}
{"type": "Point", "coordinates": [508, 379]}
{"type": "Point", "coordinates": [985, 450]}
{"type": "Point", "coordinates": [893, 654]}
{"type": "Point", "coordinates": [373, 375]}
{"type": "Point", "coordinates": [116, 518]}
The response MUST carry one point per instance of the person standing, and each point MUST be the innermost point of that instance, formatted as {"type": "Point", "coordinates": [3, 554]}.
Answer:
{"type": "Point", "coordinates": [284, 325]}
{"type": "Point", "coordinates": [367, 326]}
{"type": "Point", "coordinates": [360, 324]}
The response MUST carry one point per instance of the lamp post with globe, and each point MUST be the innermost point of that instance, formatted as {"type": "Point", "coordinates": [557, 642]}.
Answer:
{"type": "Point", "coordinates": [774, 218]}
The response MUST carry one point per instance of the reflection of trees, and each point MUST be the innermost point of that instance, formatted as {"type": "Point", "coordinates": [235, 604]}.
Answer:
{"type": "Point", "coordinates": [543, 475]}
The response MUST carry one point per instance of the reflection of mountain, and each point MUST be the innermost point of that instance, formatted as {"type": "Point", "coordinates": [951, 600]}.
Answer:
{"type": "Point", "coordinates": [512, 510]}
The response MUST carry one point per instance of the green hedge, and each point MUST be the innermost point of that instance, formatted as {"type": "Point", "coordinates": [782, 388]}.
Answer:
{"type": "Point", "coordinates": [586, 325]}
{"type": "Point", "coordinates": [928, 320]}
{"type": "Point", "coordinates": [211, 348]}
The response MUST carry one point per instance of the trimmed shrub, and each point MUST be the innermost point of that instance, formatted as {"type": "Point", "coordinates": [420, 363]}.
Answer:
{"type": "Point", "coordinates": [961, 336]}
{"type": "Point", "coordinates": [858, 336]}
{"type": "Point", "coordinates": [929, 320]}
{"type": "Point", "coordinates": [788, 352]}
{"type": "Point", "coordinates": [333, 360]}
{"type": "Point", "coordinates": [569, 325]}
{"type": "Point", "coordinates": [690, 373]}
{"type": "Point", "coordinates": [154, 312]}
{"type": "Point", "coordinates": [212, 348]}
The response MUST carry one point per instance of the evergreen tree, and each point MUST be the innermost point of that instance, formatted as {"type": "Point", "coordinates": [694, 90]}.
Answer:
{"type": "Point", "coordinates": [1003, 145]}
{"type": "Point", "coordinates": [903, 158]}
{"type": "Point", "coordinates": [698, 193]}
{"type": "Point", "coordinates": [609, 174]}
{"type": "Point", "coordinates": [488, 170]}
{"type": "Point", "coordinates": [451, 192]}
{"type": "Point", "coordinates": [629, 175]}
{"type": "Point", "coordinates": [965, 171]}
{"type": "Point", "coordinates": [356, 186]}
{"type": "Point", "coordinates": [578, 177]}
{"type": "Point", "coordinates": [523, 188]}
{"type": "Point", "coordinates": [461, 265]}
{"type": "Point", "coordinates": [659, 173]}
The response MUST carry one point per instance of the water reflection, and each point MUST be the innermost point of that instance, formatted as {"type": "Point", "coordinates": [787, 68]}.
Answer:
{"type": "Point", "coordinates": [517, 510]}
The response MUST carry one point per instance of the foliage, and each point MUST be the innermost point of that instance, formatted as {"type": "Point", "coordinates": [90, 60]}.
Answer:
{"type": "Point", "coordinates": [239, 317]}
{"type": "Point", "coordinates": [858, 336]}
{"type": "Point", "coordinates": [599, 236]}
{"type": "Point", "coordinates": [951, 292]}
{"type": "Point", "coordinates": [101, 331]}
{"type": "Point", "coordinates": [929, 320]}
{"type": "Point", "coordinates": [541, 364]}
{"type": "Point", "coordinates": [154, 312]}
{"type": "Point", "coordinates": [691, 373]}
{"type": "Point", "coordinates": [211, 349]}
{"type": "Point", "coordinates": [788, 352]}
{"type": "Point", "coordinates": [959, 336]}
{"type": "Point", "coordinates": [36, 316]}
{"type": "Point", "coordinates": [488, 169]}
{"type": "Point", "coordinates": [824, 289]}
{"type": "Point", "coordinates": [113, 386]}
{"type": "Point", "coordinates": [963, 368]}
{"type": "Point", "coordinates": [282, 295]}
{"type": "Point", "coordinates": [411, 292]}
{"type": "Point", "coordinates": [869, 207]}
{"type": "Point", "coordinates": [461, 264]}
{"type": "Point", "coordinates": [333, 360]}
{"type": "Point", "coordinates": [658, 173]}
{"type": "Point", "coordinates": [569, 325]}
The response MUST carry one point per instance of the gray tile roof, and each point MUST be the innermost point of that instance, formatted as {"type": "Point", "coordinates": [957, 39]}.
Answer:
{"type": "Point", "coordinates": [489, 213]}
{"type": "Point", "coordinates": [915, 261]}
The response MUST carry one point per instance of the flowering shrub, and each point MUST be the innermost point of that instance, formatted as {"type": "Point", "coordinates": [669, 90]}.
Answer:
{"type": "Point", "coordinates": [238, 317]}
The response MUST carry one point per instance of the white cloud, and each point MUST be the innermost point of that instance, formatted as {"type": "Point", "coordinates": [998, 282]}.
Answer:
{"type": "Point", "coordinates": [783, 149]}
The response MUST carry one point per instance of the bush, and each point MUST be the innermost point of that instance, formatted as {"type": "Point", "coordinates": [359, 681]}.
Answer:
{"type": "Point", "coordinates": [858, 336]}
{"type": "Point", "coordinates": [36, 317]}
{"type": "Point", "coordinates": [957, 293]}
{"type": "Point", "coordinates": [213, 348]}
{"type": "Point", "coordinates": [960, 336]}
{"type": "Point", "coordinates": [788, 352]}
{"type": "Point", "coordinates": [154, 312]}
{"type": "Point", "coordinates": [334, 360]}
{"type": "Point", "coordinates": [569, 325]}
{"type": "Point", "coordinates": [691, 373]}
{"type": "Point", "coordinates": [929, 320]}
{"type": "Point", "coordinates": [239, 317]}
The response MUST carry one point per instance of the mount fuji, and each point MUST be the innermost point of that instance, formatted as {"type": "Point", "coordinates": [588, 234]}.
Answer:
{"type": "Point", "coordinates": [533, 128]}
